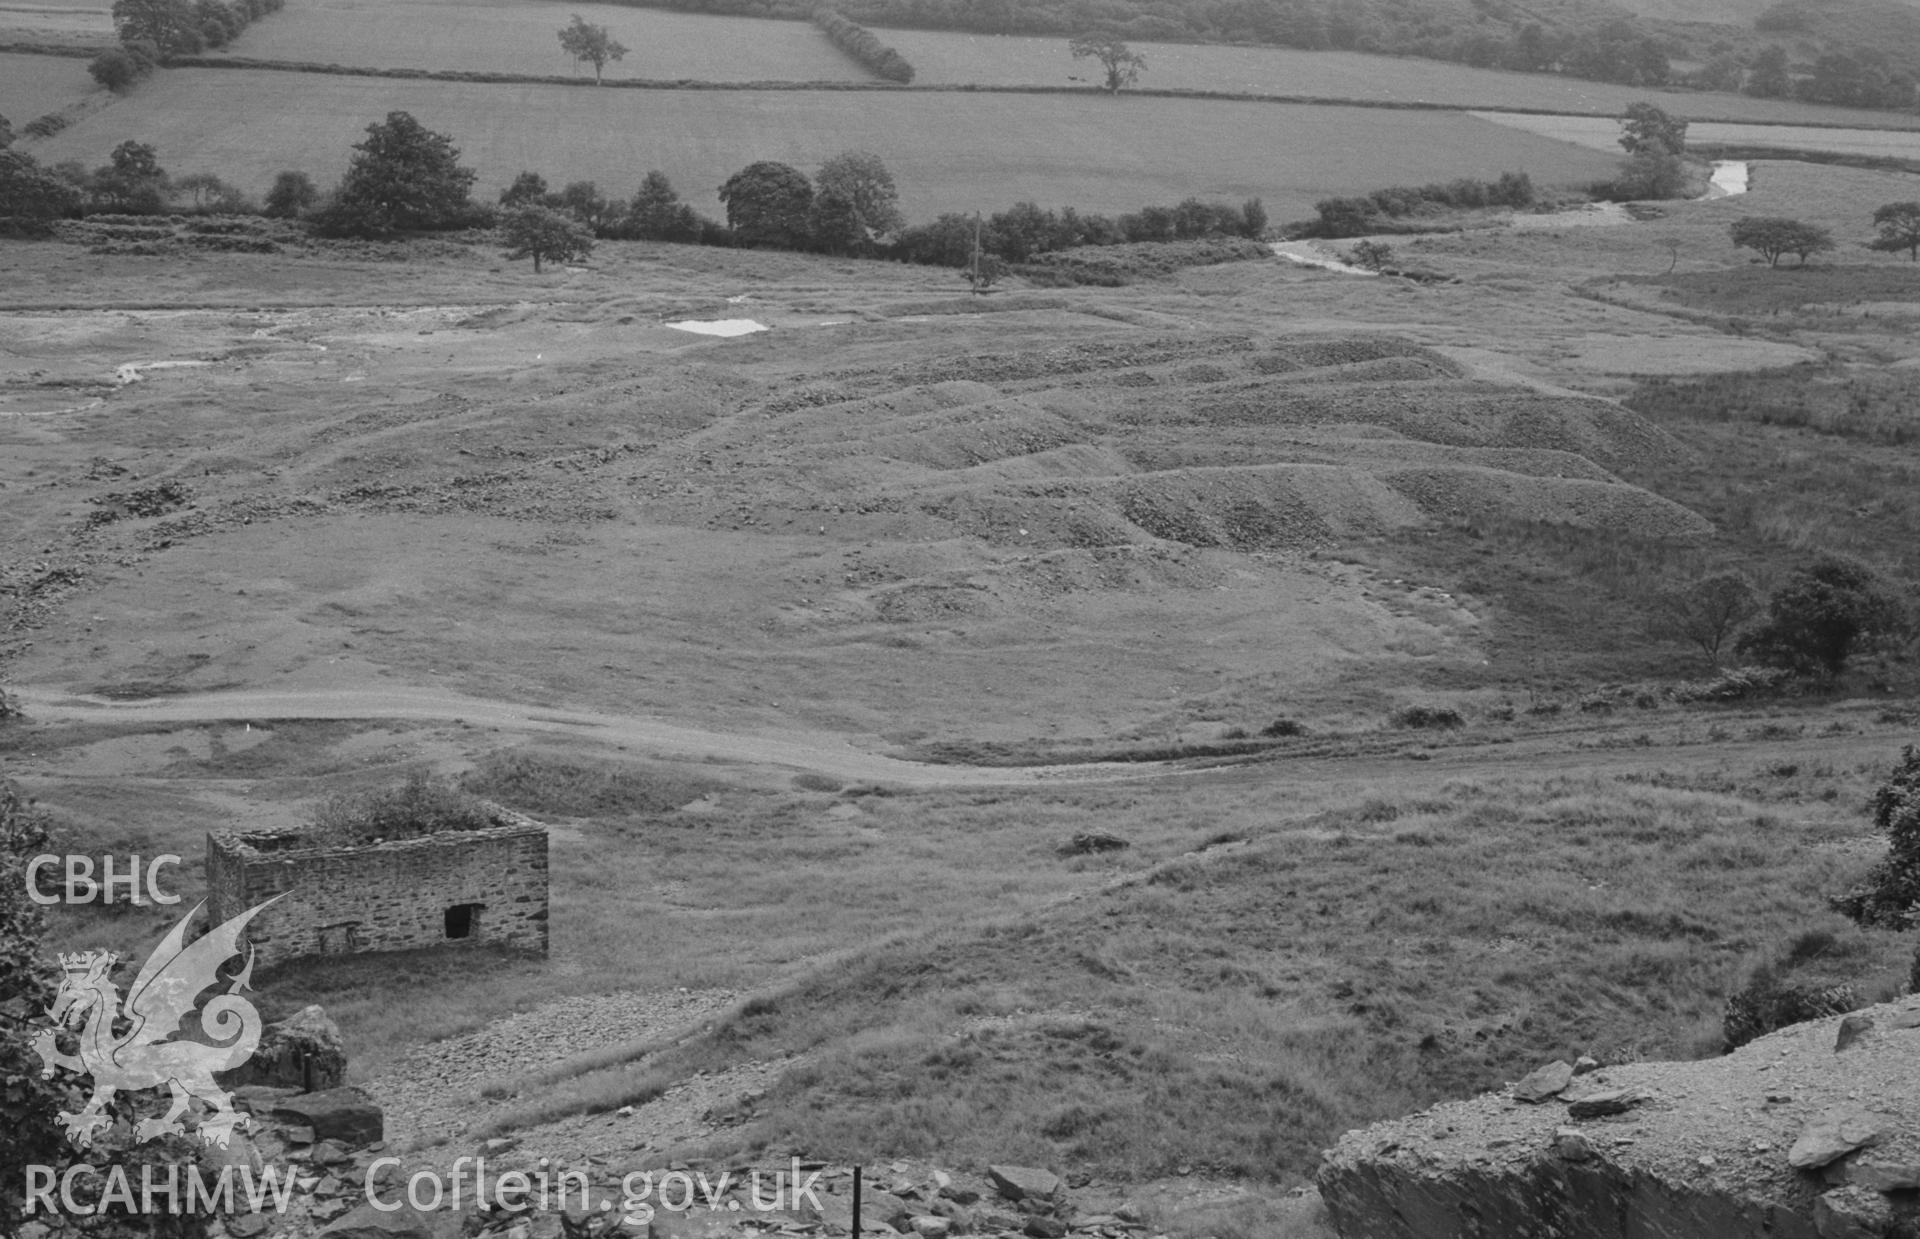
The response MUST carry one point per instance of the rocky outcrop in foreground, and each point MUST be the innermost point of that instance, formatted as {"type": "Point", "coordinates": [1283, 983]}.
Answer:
{"type": "Point", "coordinates": [1812, 1132]}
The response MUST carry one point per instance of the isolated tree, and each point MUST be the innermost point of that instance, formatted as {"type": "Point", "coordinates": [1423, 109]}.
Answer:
{"type": "Point", "coordinates": [1821, 616]}
{"type": "Point", "coordinates": [537, 232]}
{"type": "Point", "coordinates": [31, 197]}
{"type": "Point", "coordinates": [768, 204]}
{"type": "Point", "coordinates": [1121, 63]}
{"type": "Point", "coordinates": [404, 176]}
{"type": "Point", "coordinates": [293, 194]}
{"type": "Point", "coordinates": [585, 41]}
{"type": "Point", "coordinates": [170, 25]}
{"type": "Point", "coordinates": [1890, 897]}
{"type": "Point", "coordinates": [1707, 612]}
{"type": "Point", "coordinates": [114, 69]}
{"type": "Point", "coordinates": [862, 182]}
{"type": "Point", "coordinates": [1774, 236]}
{"type": "Point", "coordinates": [1646, 127]}
{"type": "Point", "coordinates": [1899, 225]}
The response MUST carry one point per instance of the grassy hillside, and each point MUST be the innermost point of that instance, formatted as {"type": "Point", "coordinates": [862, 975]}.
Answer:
{"type": "Point", "coordinates": [32, 86]}
{"type": "Point", "coordinates": [947, 152]}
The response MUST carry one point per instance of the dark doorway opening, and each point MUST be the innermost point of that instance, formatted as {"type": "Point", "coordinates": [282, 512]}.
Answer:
{"type": "Point", "coordinates": [462, 920]}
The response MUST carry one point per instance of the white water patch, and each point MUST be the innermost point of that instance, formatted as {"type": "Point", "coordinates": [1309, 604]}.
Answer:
{"type": "Point", "coordinates": [1307, 254]}
{"type": "Point", "coordinates": [1729, 178]}
{"type": "Point", "coordinates": [720, 326]}
{"type": "Point", "coordinates": [134, 371]}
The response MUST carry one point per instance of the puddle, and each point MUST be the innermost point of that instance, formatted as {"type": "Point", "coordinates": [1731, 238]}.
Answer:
{"type": "Point", "coordinates": [719, 326]}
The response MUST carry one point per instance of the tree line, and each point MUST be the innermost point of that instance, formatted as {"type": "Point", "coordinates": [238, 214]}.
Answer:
{"type": "Point", "coordinates": [863, 45]}
{"type": "Point", "coordinates": [405, 178]}
{"type": "Point", "coordinates": [152, 30]}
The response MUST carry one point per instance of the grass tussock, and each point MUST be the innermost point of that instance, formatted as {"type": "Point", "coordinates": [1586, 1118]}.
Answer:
{"type": "Point", "coordinates": [1880, 406]}
{"type": "Point", "coordinates": [544, 783]}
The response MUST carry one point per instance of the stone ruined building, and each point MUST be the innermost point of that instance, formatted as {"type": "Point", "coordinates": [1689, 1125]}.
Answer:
{"type": "Point", "coordinates": [478, 886]}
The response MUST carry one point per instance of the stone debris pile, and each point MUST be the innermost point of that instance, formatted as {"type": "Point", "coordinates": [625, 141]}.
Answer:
{"type": "Point", "coordinates": [1812, 1132]}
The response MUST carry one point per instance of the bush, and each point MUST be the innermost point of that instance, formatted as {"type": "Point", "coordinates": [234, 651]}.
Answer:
{"type": "Point", "coordinates": [1428, 717]}
{"type": "Point", "coordinates": [1736, 684]}
{"type": "Point", "coordinates": [1890, 896]}
{"type": "Point", "coordinates": [421, 806]}
{"type": "Point", "coordinates": [1821, 616]}
{"type": "Point", "coordinates": [1283, 727]}
{"type": "Point", "coordinates": [292, 194]}
{"type": "Point", "coordinates": [1352, 217]}
{"type": "Point", "coordinates": [1651, 175]}
{"type": "Point", "coordinates": [115, 69]}
{"type": "Point", "coordinates": [1372, 255]}
{"type": "Point", "coordinates": [1811, 979]}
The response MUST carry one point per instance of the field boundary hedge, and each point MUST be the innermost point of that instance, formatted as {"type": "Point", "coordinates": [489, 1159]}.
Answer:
{"type": "Point", "coordinates": [1225, 96]}
{"type": "Point", "coordinates": [72, 51]}
{"type": "Point", "coordinates": [862, 45]}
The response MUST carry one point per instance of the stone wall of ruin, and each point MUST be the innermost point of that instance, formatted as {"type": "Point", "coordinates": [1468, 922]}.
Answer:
{"type": "Point", "coordinates": [384, 896]}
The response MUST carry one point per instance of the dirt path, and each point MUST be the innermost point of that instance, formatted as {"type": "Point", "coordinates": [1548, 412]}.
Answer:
{"type": "Point", "coordinates": [1568, 751]}
{"type": "Point", "coordinates": [800, 750]}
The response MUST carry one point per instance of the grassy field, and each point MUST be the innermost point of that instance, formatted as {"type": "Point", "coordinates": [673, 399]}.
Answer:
{"type": "Point", "coordinates": [505, 36]}
{"type": "Point", "coordinates": [947, 152]}
{"type": "Point", "coordinates": [32, 86]}
{"type": "Point", "coordinates": [515, 37]}
{"type": "Point", "coordinates": [1603, 134]}
{"type": "Point", "coordinates": [55, 21]}
{"type": "Point", "coordinates": [940, 56]}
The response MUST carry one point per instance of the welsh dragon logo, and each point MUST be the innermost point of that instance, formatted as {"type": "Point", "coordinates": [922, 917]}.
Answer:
{"type": "Point", "coordinates": [147, 1054]}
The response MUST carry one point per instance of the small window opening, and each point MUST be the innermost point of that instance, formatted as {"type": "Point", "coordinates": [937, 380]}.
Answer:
{"type": "Point", "coordinates": [461, 920]}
